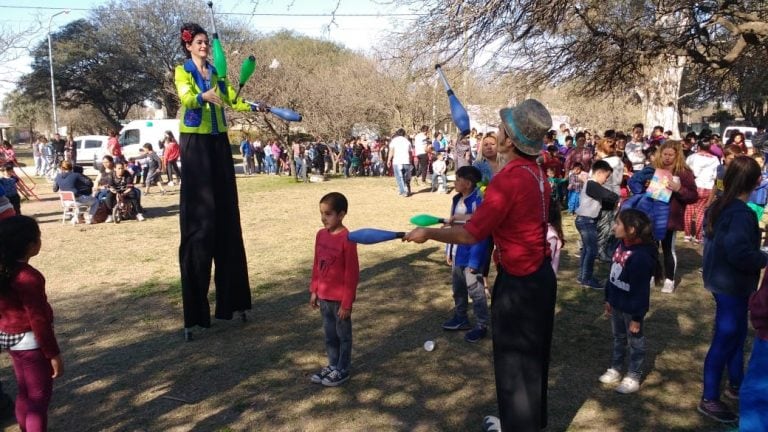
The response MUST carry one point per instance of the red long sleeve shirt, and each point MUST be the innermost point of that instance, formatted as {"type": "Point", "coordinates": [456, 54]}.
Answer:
{"type": "Point", "coordinates": [335, 272]}
{"type": "Point", "coordinates": [25, 307]}
{"type": "Point", "coordinates": [512, 212]}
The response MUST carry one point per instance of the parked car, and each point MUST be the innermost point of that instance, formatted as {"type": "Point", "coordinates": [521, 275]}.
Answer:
{"type": "Point", "coordinates": [89, 148]}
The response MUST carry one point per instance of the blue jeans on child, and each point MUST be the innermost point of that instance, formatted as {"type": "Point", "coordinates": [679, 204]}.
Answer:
{"type": "Point", "coordinates": [727, 349]}
{"type": "Point", "coordinates": [338, 335]}
{"type": "Point", "coordinates": [753, 397]}
{"type": "Point", "coordinates": [573, 201]}
{"type": "Point", "coordinates": [587, 228]}
{"type": "Point", "coordinates": [435, 183]}
{"type": "Point", "coordinates": [466, 284]}
{"type": "Point", "coordinates": [620, 326]}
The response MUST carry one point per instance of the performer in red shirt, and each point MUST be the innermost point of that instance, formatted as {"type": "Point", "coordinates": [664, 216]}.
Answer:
{"type": "Point", "coordinates": [514, 211]}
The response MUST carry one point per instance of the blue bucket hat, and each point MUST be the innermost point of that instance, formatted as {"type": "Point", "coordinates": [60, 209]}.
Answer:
{"type": "Point", "coordinates": [526, 125]}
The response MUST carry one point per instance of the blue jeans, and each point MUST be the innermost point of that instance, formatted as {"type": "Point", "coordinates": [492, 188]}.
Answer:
{"type": "Point", "coordinates": [338, 335]}
{"type": "Point", "coordinates": [587, 228]}
{"type": "Point", "coordinates": [573, 201]}
{"type": "Point", "coordinates": [270, 163]}
{"type": "Point", "coordinates": [403, 178]}
{"type": "Point", "coordinates": [466, 284]}
{"type": "Point", "coordinates": [753, 397]}
{"type": "Point", "coordinates": [620, 326]}
{"type": "Point", "coordinates": [435, 184]}
{"type": "Point", "coordinates": [727, 349]}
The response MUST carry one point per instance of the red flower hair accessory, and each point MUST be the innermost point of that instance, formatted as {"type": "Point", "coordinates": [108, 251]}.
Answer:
{"type": "Point", "coordinates": [186, 36]}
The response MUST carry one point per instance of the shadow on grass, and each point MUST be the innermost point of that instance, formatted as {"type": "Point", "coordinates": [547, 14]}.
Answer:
{"type": "Point", "coordinates": [129, 369]}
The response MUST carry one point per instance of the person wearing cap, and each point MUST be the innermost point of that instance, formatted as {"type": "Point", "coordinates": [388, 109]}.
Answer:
{"type": "Point", "coordinates": [514, 211]}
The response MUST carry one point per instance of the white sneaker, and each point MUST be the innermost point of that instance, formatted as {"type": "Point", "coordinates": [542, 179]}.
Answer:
{"type": "Point", "coordinates": [139, 217]}
{"type": "Point", "coordinates": [109, 219]}
{"type": "Point", "coordinates": [74, 220]}
{"type": "Point", "coordinates": [628, 385]}
{"type": "Point", "coordinates": [610, 376]}
{"type": "Point", "coordinates": [170, 183]}
{"type": "Point", "coordinates": [669, 286]}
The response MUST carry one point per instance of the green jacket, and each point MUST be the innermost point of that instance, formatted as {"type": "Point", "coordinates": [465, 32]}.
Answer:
{"type": "Point", "coordinates": [197, 116]}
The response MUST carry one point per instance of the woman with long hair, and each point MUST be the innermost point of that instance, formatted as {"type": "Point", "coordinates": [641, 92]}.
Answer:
{"type": "Point", "coordinates": [731, 266]}
{"type": "Point", "coordinates": [171, 155]}
{"type": "Point", "coordinates": [683, 185]}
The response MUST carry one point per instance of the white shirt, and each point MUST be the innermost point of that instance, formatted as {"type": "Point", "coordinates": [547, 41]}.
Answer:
{"type": "Point", "coordinates": [634, 152]}
{"type": "Point", "coordinates": [401, 150]}
{"type": "Point", "coordinates": [438, 167]}
{"type": "Point", "coordinates": [704, 167]}
{"type": "Point", "coordinates": [420, 144]}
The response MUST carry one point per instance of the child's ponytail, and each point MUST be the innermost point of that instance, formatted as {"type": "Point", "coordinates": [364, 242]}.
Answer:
{"type": "Point", "coordinates": [17, 234]}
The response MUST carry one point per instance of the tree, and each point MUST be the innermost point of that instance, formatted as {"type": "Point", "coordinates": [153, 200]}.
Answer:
{"type": "Point", "coordinates": [151, 28]}
{"type": "Point", "coordinates": [26, 113]}
{"type": "Point", "coordinates": [332, 87]}
{"type": "Point", "coordinates": [604, 45]}
{"type": "Point", "coordinates": [92, 68]}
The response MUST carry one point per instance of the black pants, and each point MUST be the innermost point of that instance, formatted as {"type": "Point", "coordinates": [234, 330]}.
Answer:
{"type": "Point", "coordinates": [172, 167]}
{"type": "Point", "coordinates": [670, 257]}
{"type": "Point", "coordinates": [522, 314]}
{"type": "Point", "coordinates": [210, 231]}
{"type": "Point", "coordinates": [423, 167]}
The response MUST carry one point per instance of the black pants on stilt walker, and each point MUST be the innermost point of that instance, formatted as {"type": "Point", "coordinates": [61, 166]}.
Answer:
{"type": "Point", "coordinates": [522, 314]}
{"type": "Point", "coordinates": [209, 216]}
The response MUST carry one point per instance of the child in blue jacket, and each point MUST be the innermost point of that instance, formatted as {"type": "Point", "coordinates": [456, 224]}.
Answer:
{"type": "Point", "coordinates": [468, 260]}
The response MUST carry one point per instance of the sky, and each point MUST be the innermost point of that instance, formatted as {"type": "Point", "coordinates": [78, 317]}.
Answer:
{"type": "Point", "coordinates": [370, 20]}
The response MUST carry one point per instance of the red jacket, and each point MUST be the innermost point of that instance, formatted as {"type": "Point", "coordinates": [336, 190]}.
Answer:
{"type": "Point", "coordinates": [686, 195]}
{"type": "Point", "coordinates": [25, 307]}
{"type": "Point", "coordinates": [171, 151]}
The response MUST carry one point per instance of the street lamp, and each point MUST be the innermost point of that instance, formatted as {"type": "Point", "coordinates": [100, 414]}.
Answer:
{"type": "Point", "coordinates": [50, 62]}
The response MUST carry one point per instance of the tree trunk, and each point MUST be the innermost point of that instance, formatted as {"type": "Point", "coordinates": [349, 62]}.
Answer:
{"type": "Point", "coordinates": [659, 95]}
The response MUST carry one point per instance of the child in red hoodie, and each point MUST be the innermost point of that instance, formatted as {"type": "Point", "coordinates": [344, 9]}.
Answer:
{"type": "Point", "coordinates": [335, 274]}
{"type": "Point", "coordinates": [26, 322]}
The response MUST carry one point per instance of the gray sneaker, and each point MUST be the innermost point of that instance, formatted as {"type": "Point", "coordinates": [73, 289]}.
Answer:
{"type": "Point", "coordinates": [318, 377]}
{"type": "Point", "coordinates": [335, 378]}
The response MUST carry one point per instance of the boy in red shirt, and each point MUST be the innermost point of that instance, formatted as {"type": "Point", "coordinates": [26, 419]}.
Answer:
{"type": "Point", "coordinates": [335, 274]}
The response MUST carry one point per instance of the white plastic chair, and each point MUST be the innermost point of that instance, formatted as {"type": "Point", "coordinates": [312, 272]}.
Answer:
{"type": "Point", "coordinates": [70, 206]}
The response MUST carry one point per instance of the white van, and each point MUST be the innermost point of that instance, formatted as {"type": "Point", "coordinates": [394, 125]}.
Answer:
{"type": "Point", "coordinates": [89, 148]}
{"type": "Point", "coordinates": [139, 132]}
{"type": "Point", "coordinates": [748, 132]}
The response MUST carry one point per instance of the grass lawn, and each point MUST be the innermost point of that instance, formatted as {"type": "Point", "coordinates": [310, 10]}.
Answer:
{"type": "Point", "coordinates": [116, 295]}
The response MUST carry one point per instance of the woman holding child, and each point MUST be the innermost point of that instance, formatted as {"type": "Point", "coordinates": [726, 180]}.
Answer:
{"type": "Point", "coordinates": [515, 211]}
